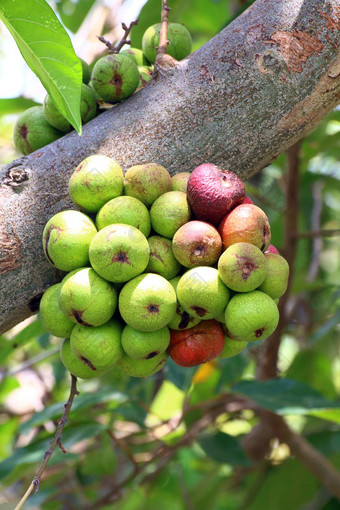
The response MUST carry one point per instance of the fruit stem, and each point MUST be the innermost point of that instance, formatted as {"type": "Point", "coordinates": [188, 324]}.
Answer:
{"type": "Point", "coordinates": [163, 35]}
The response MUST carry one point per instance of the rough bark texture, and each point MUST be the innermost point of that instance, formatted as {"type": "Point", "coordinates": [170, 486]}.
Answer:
{"type": "Point", "coordinates": [239, 101]}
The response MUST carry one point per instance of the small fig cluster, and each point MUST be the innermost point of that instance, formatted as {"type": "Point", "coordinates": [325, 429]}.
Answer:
{"type": "Point", "coordinates": [113, 78]}
{"type": "Point", "coordinates": [158, 266]}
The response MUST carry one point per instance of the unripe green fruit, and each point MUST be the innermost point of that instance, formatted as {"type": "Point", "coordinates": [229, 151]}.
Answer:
{"type": "Point", "coordinates": [180, 181]}
{"type": "Point", "coordinates": [169, 212]}
{"type": "Point", "coordinates": [66, 239]}
{"type": "Point", "coordinates": [147, 182]}
{"type": "Point", "coordinates": [52, 317]}
{"type": "Point", "coordinates": [148, 302]}
{"type": "Point", "coordinates": [77, 366]}
{"type": "Point", "coordinates": [144, 344]}
{"type": "Point", "coordinates": [145, 74]}
{"type": "Point", "coordinates": [162, 260]}
{"type": "Point", "coordinates": [232, 348]}
{"type": "Point", "coordinates": [142, 367]}
{"type": "Point", "coordinates": [182, 319]}
{"type": "Point", "coordinates": [86, 298]}
{"type": "Point", "coordinates": [202, 293]}
{"type": "Point", "coordinates": [276, 281]}
{"type": "Point", "coordinates": [86, 71]}
{"type": "Point", "coordinates": [251, 316]}
{"type": "Point", "coordinates": [127, 210]}
{"type": "Point", "coordinates": [100, 347]}
{"type": "Point", "coordinates": [136, 55]}
{"type": "Point", "coordinates": [88, 110]}
{"type": "Point", "coordinates": [242, 267]}
{"type": "Point", "coordinates": [32, 131]}
{"type": "Point", "coordinates": [179, 38]}
{"type": "Point", "coordinates": [119, 252]}
{"type": "Point", "coordinates": [115, 77]}
{"type": "Point", "coordinates": [96, 180]}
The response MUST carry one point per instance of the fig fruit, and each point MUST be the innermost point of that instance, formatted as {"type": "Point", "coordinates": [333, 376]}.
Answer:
{"type": "Point", "coordinates": [66, 239]}
{"type": "Point", "coordinates": [147, 182]}
{"type": "Point", "coordinates": [196, 345]}
{"type": "Point", "coordinates": [179, 38]}
{"type": "Point", "coordinates": [213, 192]}
{"type": "Point", "coordinates": [96, 180]}
{"type": "Point", "coordinates": [115, 77]}
{"type": "Point", "coordinates": [148, 302]}
{"type": "Point", "coordinates": [32, 131]}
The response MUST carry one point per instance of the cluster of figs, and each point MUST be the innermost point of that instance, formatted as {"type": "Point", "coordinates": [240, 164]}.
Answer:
{"type": "Point", "coordinates": [158, 266]}
{"type": "Point", "coordinates": [112, 79]}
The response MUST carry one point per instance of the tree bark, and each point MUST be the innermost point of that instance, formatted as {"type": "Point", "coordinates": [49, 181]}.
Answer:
{"type": "Point", "coordinates": [239, 101]}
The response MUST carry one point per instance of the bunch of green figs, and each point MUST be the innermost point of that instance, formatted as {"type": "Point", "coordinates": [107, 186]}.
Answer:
{"type": "Point", "coordinates": [158, 266]}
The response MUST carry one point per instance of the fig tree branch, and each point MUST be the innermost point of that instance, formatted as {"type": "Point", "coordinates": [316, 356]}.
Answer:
{"type": "Point", "coordinates": [34, 486]}
{"type": "Point", "coordinates": [239, 101]}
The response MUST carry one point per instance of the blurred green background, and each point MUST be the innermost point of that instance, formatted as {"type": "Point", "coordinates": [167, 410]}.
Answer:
{"type": "Point", "coordinates": [162, 443]}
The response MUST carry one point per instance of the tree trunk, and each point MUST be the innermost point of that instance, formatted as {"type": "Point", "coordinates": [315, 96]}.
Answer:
{"type": "Point", "coordinates": [239, 101]}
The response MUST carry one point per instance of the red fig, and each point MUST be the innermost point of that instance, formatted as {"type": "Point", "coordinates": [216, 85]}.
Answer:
{"type": "Point", "coordinates": [197, 243]}
{"type": "Point", "coordinates": [271, 249]}
{"type": "Point", "coordinates": [213, 192]}
{"type": "Point", "coordinates": [247, 223]}
{"type": "Point", "coordinates": [196, 345]}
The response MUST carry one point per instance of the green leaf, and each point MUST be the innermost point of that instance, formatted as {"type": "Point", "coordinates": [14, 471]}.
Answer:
{"type": "Point", "coordinates": [224, 449]}
{"type": "Point", "coordinates": [23, 337]}
{"type": "Point", "coordinates": [285, 396]}
{"type": "Point", "coordinates": [47, 49]}
{"type": "Point", "coordinates": [34, 453]}
{"type": "Point", "coordinates": [72, 14]}
{"type": "Point", "coordinates": [315, 369]}
{"type": "Point", "coordinates": [80, 402]}
{"type": "Point", "coordinates": [180, 376]}
{"type": "Point", "coordinates": [16, 104]}
{"type": "Point", "coordinates": [7, 386]}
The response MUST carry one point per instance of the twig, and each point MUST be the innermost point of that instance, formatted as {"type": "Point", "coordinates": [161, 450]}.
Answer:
{"type": "Point", "coordinates": [315, 224]}
{"type": "Point", "coordinates": [314, 461]}
{"type": "Point", "coordinates": [34, 486]}
{"type": "Point", "coordinates": [116, 49]}
{"type": "Point", "coordinates": [163, 35]}
{"type": "Point", "coordinates": [125, 449]}
{"type": "Point", "coordinates": [318, 233]}
{"type": "Point", "coordinates": [267, 367]}
{"type": "Point", "coordinates": [29, 363]}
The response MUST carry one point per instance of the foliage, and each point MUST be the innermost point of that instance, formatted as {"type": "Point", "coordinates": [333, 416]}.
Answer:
{"type": "Point", "coordinates": [167, 441]}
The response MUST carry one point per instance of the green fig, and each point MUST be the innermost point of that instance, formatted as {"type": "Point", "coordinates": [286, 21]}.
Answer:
{"type": "Point", "coordinates": [98, 347]}
{"type": "Point", "coordinates": [251, 316]}
{"type": "Point", "coordinates": [127, 210]}
{"type": "Point", "coordinates": [179, 38]}
{"type": "Point", "coordinates": [96, 180]}
{"type": "Point", "coordinates": [32, 131]}
{"type": "Point", "coordinates": [142, 367]}
{"type": "Point", "coordinates": [77, 366]}
{"type": "Point", "coordinates": [52, 317]}
{"type": "Point", "coordinates": [86, 298]}
{"type": "Point", "coordinates": [119, 252]}
{"type": "Point", "coordinates": [66, 239]}
{"type": "Point", "coordinates": [115, 77]}
{"type": "Point", "coordinates": [144, 344]}
{"type": "Point", "coordinates": [148, 302]}
{"type": "Point", "coordinates": [169, 212]}
{"type": "Point", "coordinates": [88, 110]}
{"type": "Point", "coordinates": [147, 182]}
